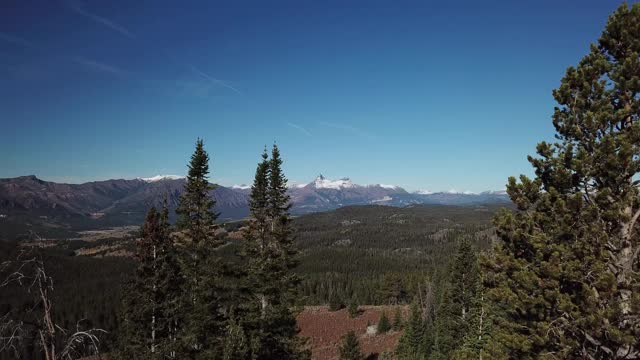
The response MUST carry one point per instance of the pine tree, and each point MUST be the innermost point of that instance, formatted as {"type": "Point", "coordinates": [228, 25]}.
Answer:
{"type": "Point", "coordinates": [353, 309]}
{"type": "Point", "coordinates": [478, 342]}
{"type": "Point", "coordinates": [205, 319]}
{"type": "Point", "coordinates": [272, 257]}
{"type": "Point", "coordinates": [350, 348]}
{"type": "Point", "coordinates": [392, 290]}
{"type": "Point", "coordinates": [150, 304]}
{"type": "Point", "coordinates": [410, 344]}
{"type": "Point", "coordinates": [257, 243]}
{"type": "Point", "coordinates": [195, 209]}
{"type": "Point", "coordinates": [397, 320]}
{"type": "Point", "coordinates": [465, 277]}
{"type": "Point", "coordinates": [383, 324]}
{"type": "Point", "coordinates": [445, 327]}
{"type": "Point", "coordinates": [566, 274]}
{"type": "Point", "coordinates": [169, 291]}
{"type": "Point", "coordinates": [236, 345]}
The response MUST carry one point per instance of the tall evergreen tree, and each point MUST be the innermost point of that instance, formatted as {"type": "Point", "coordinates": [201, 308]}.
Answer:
{"type": "Point", "coordinates": [205, 318]}
{"type": "Point", "coordinates": [272, 257]}
{"type": "Point", "coordinates": [566, 274]}
{"type": "Point", "coordinates": [168, 289]}
{"type": "Point", "coordinates": [410, 345]}
{"type": "Point", "coordinates": [478, 342]}
{"type": "Point", "coordinates": [257, 235]}
{"type": "Point", "coordinates": [458, 301]}
{"type": "Point", "coordinates": [465, 277]}
{"type": "Point", "coordinates": [195, 209]}
{"type": "Point", "coordinates": [444, 333]}
{"type": "Point", "coordinates": [150, 304]}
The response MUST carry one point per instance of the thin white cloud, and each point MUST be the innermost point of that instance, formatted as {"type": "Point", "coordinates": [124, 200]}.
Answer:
{"type": "Point", "coordinates": [98, 66]}
{"type": "Point", "coordinates": [214, 80]}
{"type": "Point", "coordinates": [300, 128]}
{"type": "Point", "coordinates": [78, 7]}
{"type": "Point", "coordinates": [16, 40]}
{"type": "Point", "coordinates": [348, 129]}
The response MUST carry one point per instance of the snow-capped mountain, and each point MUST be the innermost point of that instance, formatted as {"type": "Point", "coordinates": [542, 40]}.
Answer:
{"type": "Point", "coordinates": [326, 194]}
{"type": "Point", "coordinates": [162, 177]}
{"type": "Point", "coordinates": [241, 187]}
{"type": "Point", "coordinates": [323, 183]}
{"type": "Point", "coordinates": [127, 201]}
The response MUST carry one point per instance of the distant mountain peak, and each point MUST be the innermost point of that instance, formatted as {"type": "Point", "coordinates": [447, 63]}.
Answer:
{"type": "Point", "coordinates": [323, 183]}
{"type": "Point", "coordinates": [162, 177]}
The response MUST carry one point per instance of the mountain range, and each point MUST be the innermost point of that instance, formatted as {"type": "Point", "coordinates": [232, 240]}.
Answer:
{"type": "Point", "coordinates": [115, 202]}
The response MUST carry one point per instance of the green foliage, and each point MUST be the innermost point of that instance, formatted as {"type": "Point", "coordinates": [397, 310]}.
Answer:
{"type": "Point", "coordinates": [335, 303]}
{"type": "Point", "coordinates": [479, 341]}
{"type": "Point", "coordinates": [446, 325]}
{"type": "Point", "coordinates": [565, 278]}
{"type": "Point", "coordinates": [84, 288]}
{"type": "Point", "coordinates": [410, 345]}
{"type": "Point", "coordinates": [438, 325]}
{"type": "Point", "coordinates": [150, 305]}
{"type": "Point", "coordinates": [393, 291]}
{"type": "Point", "coordinates": [383, 324]}
{"type": "Point", "coordinates": [386, 355]}
{"type": "Point", "coordinates": [397, 320]}
{"type": "Point", "coordinates": [271, 257]}
{"type": "Point", "coordinates": [236, 345]}
{"type": "Point", "coordinates": [195, 209]}
{"type": "Point", "coordinates": [350, 348]}
{"type": "Point", "coordinates": [353, 309]}
{"type": "Point", "coordinates": [204, 311]}
{"type": "Point", "coordinates": [392, 250]}
{"type": "Point", "coordinates": [458, 303]}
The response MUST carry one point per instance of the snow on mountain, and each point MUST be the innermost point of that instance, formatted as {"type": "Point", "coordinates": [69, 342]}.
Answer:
{"type": "Point", "coordinates": [423, 192]}
{"type": "Point", "coordinates": [466, 192]}
{"type": "Point", "coordinates": [385, 186]}
{"type": "Point", "coordinates": [323, 183]}
{"type": "Point", "coordinates": [384, 199]}
{"type": "Point", "coordinates": [241, 187]}
{"type": "Point", "coordinates": [494, 192]}
{"type": "Point", "coordinates": [162, 177]}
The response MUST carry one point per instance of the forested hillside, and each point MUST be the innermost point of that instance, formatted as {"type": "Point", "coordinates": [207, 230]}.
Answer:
{"type": "Point", "coordinates": [367, 254]}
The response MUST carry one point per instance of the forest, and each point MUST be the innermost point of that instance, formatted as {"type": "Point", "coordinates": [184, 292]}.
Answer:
{"type": "Point", "coordinates": [554, 276]}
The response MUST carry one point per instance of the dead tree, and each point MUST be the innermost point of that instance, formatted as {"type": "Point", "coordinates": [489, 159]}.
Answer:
{"type": "Point", "coordinates": [28, 273]}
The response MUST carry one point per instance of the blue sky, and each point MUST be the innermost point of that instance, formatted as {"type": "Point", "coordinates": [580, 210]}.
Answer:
{"type": "Point", "coordinates": [421, 94]}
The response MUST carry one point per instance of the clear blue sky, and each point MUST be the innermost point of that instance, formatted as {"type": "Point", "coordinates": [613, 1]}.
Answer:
{"type": "Point", "coordinates": [421, 94]}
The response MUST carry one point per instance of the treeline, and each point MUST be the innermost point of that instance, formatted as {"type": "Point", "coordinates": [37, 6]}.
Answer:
{"type": "Point", "coordinates": [357, 253]}
{"type": "Point", "coordinates": [186, 301]}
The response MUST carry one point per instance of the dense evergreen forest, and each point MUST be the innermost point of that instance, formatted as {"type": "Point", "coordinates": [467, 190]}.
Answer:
{"type": "Point", "coordinates": [556, 277]}
{"type": "Point", "coordinates": [360, 254]}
